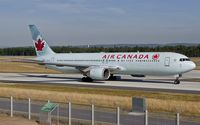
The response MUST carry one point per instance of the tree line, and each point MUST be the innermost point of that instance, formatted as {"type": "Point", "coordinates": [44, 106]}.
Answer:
{"type": "Point", "coordinates": [190, 51]}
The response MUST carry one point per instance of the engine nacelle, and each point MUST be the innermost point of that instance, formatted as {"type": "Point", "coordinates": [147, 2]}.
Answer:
{"type": "Point", "coordinates": [99, 73]}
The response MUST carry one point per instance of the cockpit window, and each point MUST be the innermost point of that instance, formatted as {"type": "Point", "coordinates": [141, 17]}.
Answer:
{"type": "Point", "coordinates": [184, 59]}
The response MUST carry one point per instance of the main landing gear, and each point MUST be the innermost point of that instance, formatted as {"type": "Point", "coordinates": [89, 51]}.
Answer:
{"type": "Point", "coordinates": [177, 81]}
{"type": "Point", "coordinates": [87, 79]}
{"type": "Point", "coordinates": [112, 77]}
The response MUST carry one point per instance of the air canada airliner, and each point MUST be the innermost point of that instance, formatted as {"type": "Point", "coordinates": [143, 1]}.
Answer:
{"type": "Point", "coordinates": [105, 66]}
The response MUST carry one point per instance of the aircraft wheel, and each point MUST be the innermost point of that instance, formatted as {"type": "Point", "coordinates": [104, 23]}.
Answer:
{"type": "Point", "coordinates": [87, 79]}
{"type": "Point", "coordinates": [177, 81]}
{"type": "Point", "coordinates": [114, 77]}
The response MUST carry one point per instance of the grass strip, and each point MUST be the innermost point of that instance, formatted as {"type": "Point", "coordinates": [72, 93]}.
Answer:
{"type": "Point", "coordinates": [187, 104]}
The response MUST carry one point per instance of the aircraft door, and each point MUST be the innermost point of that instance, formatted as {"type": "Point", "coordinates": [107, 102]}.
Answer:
{"type": "Point", "coordinates": [167, 61]}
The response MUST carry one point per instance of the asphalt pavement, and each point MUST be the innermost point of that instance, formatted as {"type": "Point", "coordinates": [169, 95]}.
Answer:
{"type": "Point", "coordinates": [149, 83]}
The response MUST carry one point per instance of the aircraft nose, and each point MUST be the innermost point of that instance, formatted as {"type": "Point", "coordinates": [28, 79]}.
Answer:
{"type": "Point", "coordinates": [193, 65]}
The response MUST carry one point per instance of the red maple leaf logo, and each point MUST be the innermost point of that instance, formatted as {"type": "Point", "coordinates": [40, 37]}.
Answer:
{"type": "Point", "coordinates": [39, 45]}
{"type": "Point", "coordinates": [155, 56]}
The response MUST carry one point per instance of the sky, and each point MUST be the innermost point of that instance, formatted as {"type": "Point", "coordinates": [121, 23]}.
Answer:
{"type": "Point", "coordinates": [83, 22]}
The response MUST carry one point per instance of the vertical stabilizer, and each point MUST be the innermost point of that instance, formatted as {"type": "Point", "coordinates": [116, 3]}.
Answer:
{"type": "Point", "coordinates": [41, 46]}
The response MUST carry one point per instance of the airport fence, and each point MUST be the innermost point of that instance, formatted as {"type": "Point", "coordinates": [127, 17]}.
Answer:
{"type": "Point", "coordinates": [74, 114]}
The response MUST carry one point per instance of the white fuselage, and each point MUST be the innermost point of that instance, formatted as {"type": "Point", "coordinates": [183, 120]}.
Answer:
{"type": "Point", "coordinates": [139, 63]}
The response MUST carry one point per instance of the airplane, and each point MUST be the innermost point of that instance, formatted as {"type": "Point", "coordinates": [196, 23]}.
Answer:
{"type": "Point", "coordinates": [104, 66]}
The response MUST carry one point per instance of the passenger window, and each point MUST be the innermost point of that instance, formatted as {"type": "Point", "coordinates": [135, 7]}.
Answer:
{"type": "Point", "coordinates": [184, 59]}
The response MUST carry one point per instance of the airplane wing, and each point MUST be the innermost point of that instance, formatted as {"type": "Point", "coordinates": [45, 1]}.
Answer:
{"type": "Point", "coordinates": [21, 60]}
{"type": "Point", "coordinates": [82, 67]}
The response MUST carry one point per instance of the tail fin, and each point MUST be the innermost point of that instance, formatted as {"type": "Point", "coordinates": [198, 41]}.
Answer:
{"type": "Point", "coordinates": [41, 46]}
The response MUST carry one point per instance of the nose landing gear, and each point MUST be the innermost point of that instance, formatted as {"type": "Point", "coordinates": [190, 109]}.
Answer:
{"type": "Point", "coordinates": [177, 81]}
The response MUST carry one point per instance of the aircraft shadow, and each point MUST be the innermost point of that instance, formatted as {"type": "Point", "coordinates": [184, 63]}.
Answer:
{"type": "Point", "coordinates": [62, 79]}
{"type": "Point", "coordinates": [59, 79]}
{"type": "Point", "coordinates": [146, 81]}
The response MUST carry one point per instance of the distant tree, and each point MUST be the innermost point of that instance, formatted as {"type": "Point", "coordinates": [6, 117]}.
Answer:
{"type": "Point", "coordinates": [191, 51]}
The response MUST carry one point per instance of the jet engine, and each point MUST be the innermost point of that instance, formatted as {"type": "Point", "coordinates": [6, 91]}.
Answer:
{"type": "Point", "coordinates": [99, 73]}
